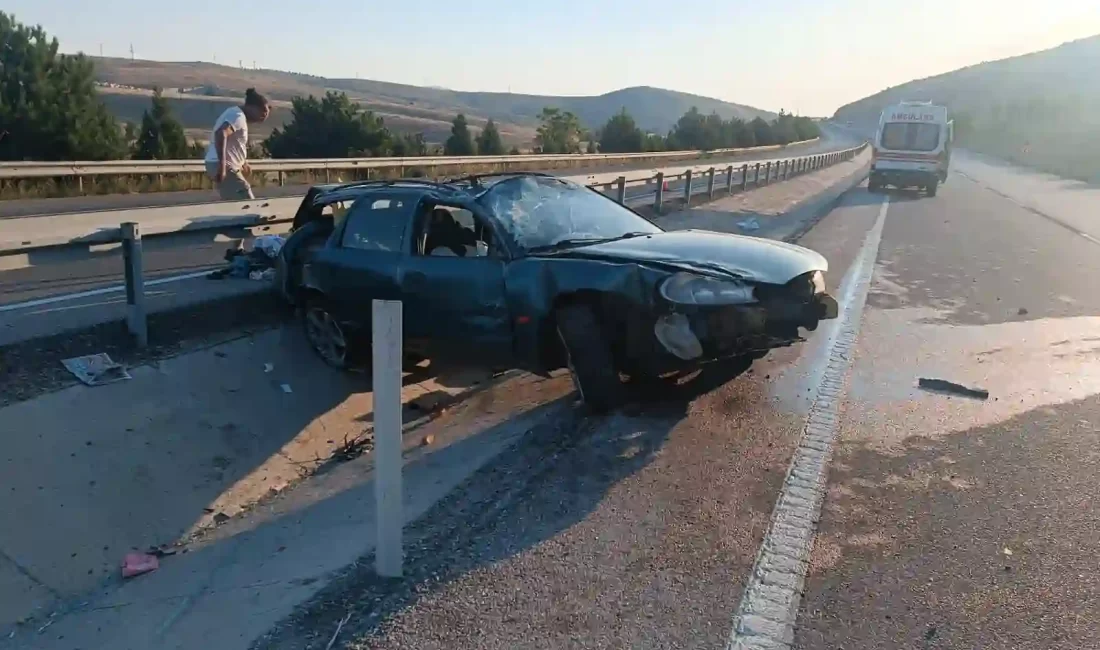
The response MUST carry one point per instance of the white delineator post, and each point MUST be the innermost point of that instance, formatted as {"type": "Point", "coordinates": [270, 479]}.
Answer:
{"type": "Point", "coordinates": [386, 344]}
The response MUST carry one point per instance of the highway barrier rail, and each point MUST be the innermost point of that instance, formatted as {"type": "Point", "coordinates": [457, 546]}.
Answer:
{"type": "Point", "coordinates": [276, 215]}
{"type": "Point", "coordinates": [328, 169]}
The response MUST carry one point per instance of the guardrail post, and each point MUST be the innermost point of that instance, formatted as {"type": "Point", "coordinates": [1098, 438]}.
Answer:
{"type": "Point", "coordinates": [622, 190]}
{"type": "Point", "coordinates": [135, 283]}
{"type": "Point", "coordinates": [687, 187]}
{"type": "Point", "coordinates": [768, 173]}
{"type": "Point", "coordinates": [729, 180]}
{"type": "Point", "coordinates": [710, 185]}
{"type": "Point", "coordinates": [756, 176]}
{"type": "Point", "coordinates": [744, 177]}
{"type": "Point", "coordinates": [386, 334]}
{"type": "Point", "coordinates": [282, 178]}
{"type": "Point", "coordinates": [659, 198]}
{"type": "Point", "coordinates": [80, 184]}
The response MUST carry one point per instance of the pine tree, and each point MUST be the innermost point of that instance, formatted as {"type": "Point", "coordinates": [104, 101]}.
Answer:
{"type": "Point", "coordinates": [461, 143]}
{"type": "Point", "coordinates": [49, 109]}
{"type": "Point", "coordinates": [332, 127]}
{"type": "Point", "coordinates": [489, 142]}
{"type": "Point", "coordinates": [162, 136]}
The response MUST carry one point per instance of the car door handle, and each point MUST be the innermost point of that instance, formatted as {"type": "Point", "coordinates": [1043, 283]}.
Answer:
{"type": "Point", "coordinates": [415, 280]}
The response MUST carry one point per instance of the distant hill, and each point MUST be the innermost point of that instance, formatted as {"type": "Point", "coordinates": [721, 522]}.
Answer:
{"type": "Point", "coordinates": [1038, 109]}
{"type": "Point", "coordinates": [405, 107]}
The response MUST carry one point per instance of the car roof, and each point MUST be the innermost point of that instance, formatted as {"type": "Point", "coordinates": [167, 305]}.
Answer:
{"type": "Point", "coordinates": [470, 186]}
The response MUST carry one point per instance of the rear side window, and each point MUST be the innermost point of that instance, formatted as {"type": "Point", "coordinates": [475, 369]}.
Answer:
{"type": "Point", "coordinates": [377, 224]}
{"type": "Point", "coordinates": [910, 136]}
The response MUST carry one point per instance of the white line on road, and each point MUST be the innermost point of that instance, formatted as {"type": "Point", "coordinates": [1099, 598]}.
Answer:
{"type": "Point", "coordinates": [98, 292]}
{"type": "Point", "coordinates": [768, 610]}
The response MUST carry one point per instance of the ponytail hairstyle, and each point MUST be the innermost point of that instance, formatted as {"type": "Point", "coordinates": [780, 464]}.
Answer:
{"type": "Point", "coordinates": [253, 98]}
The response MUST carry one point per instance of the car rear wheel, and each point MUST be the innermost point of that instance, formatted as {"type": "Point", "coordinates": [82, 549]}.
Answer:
{"type": "Point", "coordinates": [589, 358]}
{"type": "Point", "coordinates": [932, 188]}
{"type": "Point", "coordinates": [325, 334]}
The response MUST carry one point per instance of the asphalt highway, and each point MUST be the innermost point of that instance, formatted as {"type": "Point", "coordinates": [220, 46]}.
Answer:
{"type": "Point", "coordinates": [947, 521]}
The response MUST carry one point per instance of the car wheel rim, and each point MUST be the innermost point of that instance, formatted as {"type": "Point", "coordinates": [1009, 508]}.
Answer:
{"type": "Point", "coordinates": [326, 336]}
{"type": "Point", "coordinates": [569, 365]}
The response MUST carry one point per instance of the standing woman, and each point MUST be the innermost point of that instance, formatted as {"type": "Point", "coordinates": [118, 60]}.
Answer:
{"type": "Point", "coordinates": [227, 153]}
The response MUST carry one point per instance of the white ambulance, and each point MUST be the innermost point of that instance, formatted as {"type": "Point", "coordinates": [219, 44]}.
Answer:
{"type": "Point", "coordinates": [912, 147]}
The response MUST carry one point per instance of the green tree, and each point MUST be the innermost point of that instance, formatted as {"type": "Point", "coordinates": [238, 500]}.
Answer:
{"type": "Point", "coordinates": [806, 128]}
{"type": "Point", "coordinates": [332, 127]}
{"type": "Point", "coordinates": [489, 142]}
{"type": "Point", "coordinates": [161, 136]}
{"type": "Point", "coordinates": [762, 132]}
{"type": "Point", "coordinates": [621, 134]}
{"type": "Point", "coordinates": [409, 145]}
{"type": "Point", "coordinates": [461, 143]}
{"type": "Point", "coordinates": [783, 128]}
{"type": "Point", "coordinates": [560, 131]}
{"type": "Point", "coordinates": [49, 109]}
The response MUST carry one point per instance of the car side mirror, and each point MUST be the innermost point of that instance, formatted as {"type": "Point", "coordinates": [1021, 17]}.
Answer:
{"type": "Point", "coordinates": [482, 249]}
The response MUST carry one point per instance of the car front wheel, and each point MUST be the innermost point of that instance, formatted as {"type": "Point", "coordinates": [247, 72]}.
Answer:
{"type": "Point", "coordinates": [325, 334]}
{"type": "Point", "coordinates": [589, 358]}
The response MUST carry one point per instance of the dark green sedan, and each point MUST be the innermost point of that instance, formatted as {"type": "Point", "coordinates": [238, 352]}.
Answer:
{"type": "Point", "coordinates": [535, 272]}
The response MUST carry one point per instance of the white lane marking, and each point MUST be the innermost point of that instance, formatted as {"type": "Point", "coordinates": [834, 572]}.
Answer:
{"type": "Point", "coordinates": [98, 292]}
{"type": "Point", "coordinates": [768, 610]}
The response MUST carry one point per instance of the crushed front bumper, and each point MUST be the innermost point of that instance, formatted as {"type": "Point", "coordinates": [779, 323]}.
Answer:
{"type": "Point", "coordinates": [702, 334]}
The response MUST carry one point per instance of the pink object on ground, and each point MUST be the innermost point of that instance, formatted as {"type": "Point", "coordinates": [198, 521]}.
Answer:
{"type": "Point", "coordinates": [135, 564]}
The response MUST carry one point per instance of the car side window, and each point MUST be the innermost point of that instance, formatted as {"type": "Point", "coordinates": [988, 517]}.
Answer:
{"type": "Point", "coordinates": [377, 224]}
{"type": "Point", "coordinates": [453, 232]}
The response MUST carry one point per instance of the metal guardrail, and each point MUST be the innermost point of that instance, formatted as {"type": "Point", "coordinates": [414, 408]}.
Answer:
{"type": "Point", "coordinates": [728, 179]}
{"type": "Point", "coordinates": [26, 170]}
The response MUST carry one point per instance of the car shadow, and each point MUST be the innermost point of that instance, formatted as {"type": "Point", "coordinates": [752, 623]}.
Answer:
{"type": "Point", "coordinates": [550, 481]}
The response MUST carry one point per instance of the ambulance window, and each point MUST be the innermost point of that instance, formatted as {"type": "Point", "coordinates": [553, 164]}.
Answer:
{"type": "Point", "coordinates": [910, 136]}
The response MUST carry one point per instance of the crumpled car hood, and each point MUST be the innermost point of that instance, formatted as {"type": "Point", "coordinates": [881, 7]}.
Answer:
{"type": "Point", "coordinates": [752, 258]}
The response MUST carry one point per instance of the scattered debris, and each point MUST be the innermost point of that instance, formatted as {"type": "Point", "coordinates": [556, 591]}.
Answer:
{"type": "Point", "coordinates": [749, 224]}
{"type": "Point", "coordinates": [220, 518]}
{"type": "Point", "coordinates": [1022, 312]}
{"type": "Point", "coordinates": [354, 447]}
{"type": "Point", "coordinates": [335, 634]}
{"type": "Point", "coordinates": [1007, 551]}
{"type": "Point", "coordinates": [135, 564]}
{"type": "Point", "coordinates": [944, 386]}
{"type": "Point", "coordinates": [164, 550]}
{"type": "Point", "coordinates": [269, 367]}
{"type": "Point", "coordinates": [257, 264]}
{"type": "Point", "coordinates": [427, 440]}
{"type": "Point", "coordinates": [286, 388]}
{"type": "Point", "coordinates": [96, 369]}
{"type": "Point", "coordinates": [930, 633]}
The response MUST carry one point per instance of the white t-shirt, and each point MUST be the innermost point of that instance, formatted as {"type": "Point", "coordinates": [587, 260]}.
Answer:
{"type": "Point", "coordinates": [236, 145]}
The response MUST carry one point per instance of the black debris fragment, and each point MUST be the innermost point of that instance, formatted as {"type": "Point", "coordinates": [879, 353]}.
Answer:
{"type": "Point", "coordinates": [950, 387]}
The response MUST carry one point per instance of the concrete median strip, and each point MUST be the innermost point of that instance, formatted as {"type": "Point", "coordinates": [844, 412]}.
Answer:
{"type": "Point", "coordinates": [768, 610]}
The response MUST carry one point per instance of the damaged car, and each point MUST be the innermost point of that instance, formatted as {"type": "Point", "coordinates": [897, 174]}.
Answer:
{"type": "Point", "coordinates": [538, 273]}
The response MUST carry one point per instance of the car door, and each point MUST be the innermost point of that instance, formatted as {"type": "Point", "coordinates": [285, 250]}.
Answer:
{"type": "Point", "coordinates": [455, 305]}
{"type": "Point", "coordinates": [363, 260]}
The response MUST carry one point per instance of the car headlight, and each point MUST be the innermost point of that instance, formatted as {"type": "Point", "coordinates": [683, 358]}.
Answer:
{"type": "Point", "coordinates": [691, 289]}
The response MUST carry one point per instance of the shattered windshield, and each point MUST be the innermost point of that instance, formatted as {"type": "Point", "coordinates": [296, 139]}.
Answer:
{"type": "Point", "coordinates": [541, 212]}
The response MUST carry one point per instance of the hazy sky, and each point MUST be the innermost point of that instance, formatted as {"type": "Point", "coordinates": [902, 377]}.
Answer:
{"type": "Point", "coordinates": [805, 55]}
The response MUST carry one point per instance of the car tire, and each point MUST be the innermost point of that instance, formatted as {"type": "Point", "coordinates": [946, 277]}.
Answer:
{"type": "Point", "coordinates": [325, 334]}
{"type": "Point", "coordinates": [932, 188]}
{"type": "Point", "coordinates": [588, 357]}
{"type": "Point", "coordinates": [873, 186]}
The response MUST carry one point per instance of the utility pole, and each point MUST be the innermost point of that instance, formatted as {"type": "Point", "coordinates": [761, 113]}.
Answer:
{"type": "Point", "coordinates": [131, 51]}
